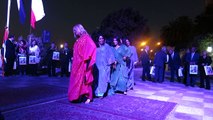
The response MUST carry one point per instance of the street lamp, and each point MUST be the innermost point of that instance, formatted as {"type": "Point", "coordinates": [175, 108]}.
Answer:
{"type": "Point", "coordinates": [209, 49]}
{"type": "Point", "coordinates": [158, 43]}
{"type": "Point", "coordinates": [61, 46]}
{"type": "Point", "coordinates": [143, 43]}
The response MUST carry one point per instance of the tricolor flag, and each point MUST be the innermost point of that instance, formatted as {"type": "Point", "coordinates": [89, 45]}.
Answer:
{"type": "Point", "coordinates": [37, 12]}
{"type": "Point", "coordinates": [22, 15]}
{"type": "Point", "coordinates": [6, 33]}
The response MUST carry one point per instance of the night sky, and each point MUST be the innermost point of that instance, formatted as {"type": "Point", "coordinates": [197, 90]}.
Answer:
{"type": "Point", "coordinates": [61, 15]}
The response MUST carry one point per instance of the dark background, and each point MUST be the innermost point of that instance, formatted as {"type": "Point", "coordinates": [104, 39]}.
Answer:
{"type": "Point", "coordinates": [61, 15]}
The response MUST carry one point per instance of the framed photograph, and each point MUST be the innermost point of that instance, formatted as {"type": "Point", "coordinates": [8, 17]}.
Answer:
{"type": "Point", "coordinates": [32, 59]}
{"type": "Point", "coordinates": [208, 70]}
{"type": "Point", "coordinates": [56, 56]}
{"type": "Point", "coordinates": [22, 60]}
{"type": "Point", "coordinates": [193, 69]}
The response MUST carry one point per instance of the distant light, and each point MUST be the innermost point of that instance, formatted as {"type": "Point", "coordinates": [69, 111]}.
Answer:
{"type": "Point", "coordinates": [158, 43]}
{"type": "Point", "coordinates": [151, 50]}
{"type": "Point", "coordinates": [209, 49]}
{"type": "Point", "coordinates": [142, 49]}
{"type": "Point", "coordinates": [61, 46]}
{"type": "Point", "coordinates": [143, 43]}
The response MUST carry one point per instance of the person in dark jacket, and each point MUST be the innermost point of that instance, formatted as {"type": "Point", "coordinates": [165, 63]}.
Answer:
{"type": "Point", "coordinates": [10, 55]}
{"type": "Point", "coordinates": [65, 58]}
{"type": "Point", "coordinates": [204, 60]}
{"type": "Point", "coordinates": [145, 60]}
{"type": "Point", "coordinates": [191, 59]}
{"type": "Point", "coordinates": [159, 63]}
{"type": "Point", "coordinates": [174, 64]}
{"type": "Point", "coordinates": [51, 64]}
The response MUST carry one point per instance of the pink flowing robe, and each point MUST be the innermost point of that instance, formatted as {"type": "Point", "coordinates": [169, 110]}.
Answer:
{"type": "Point", "coordinates": [81, 77]}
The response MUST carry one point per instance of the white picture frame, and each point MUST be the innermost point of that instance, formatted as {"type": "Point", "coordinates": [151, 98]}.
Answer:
{"type": "Point", "coordinates": [193, 69]}
{"type": "Point", "coordinates": [208, 70]}
{"type": "Point", "coordinates": [56, 56]}
{"type": "Point", "coordinates": [22, 60]}
{"type": "Point", "coordinates": [32, 59]}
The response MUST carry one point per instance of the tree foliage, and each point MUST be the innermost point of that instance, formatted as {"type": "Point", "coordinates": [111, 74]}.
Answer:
{"type": "Point", "coordinates": [123, 23]}
{"type": "Point", "coordinates": [178, 33]}
{"type": "Point", "coordinates": [206, 41]}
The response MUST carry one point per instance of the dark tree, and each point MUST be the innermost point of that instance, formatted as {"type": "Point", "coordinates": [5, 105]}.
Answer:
{"type": "Point", "coordinates": [204, 24]}
{"type": "Point", "coordinates": [178, 33]}
{"type": "Point", "coordinates": [123, 23]}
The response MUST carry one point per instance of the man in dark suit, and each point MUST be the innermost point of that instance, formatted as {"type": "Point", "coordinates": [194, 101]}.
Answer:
{"type": "Point", "coordinates": [174, 64]}
{"type": "Point", "coordinates": [145, 60]}
{"type": "Point", "coordinates": [159, 63]}
{"type": "Point", "coordinates": [9, 56]}
{"type": "Point", "coordinates": [191, 59]}
{"type": "Point", "coordinates": [65, 58]}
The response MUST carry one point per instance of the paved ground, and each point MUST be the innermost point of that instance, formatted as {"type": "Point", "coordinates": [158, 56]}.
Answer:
{"type": "Point", "coordinates": [193, 103]}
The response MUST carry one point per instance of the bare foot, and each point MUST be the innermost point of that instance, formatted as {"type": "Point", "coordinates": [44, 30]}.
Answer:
{"type": "Point", "coordinates": [87, 101]}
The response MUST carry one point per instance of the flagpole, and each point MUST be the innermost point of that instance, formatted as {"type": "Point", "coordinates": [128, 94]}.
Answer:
{"type": "Point", "coordinates": [8, 14]}
{"type": "Point", "coordinates": [6, 34]}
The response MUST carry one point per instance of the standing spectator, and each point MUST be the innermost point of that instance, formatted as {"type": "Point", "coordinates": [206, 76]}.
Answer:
{"type": "Point", "coordinates": [204, 60]}
{"type": "Point", "coordinates": [65, 58]}
{"type": "Point", "coordinates": [184, 63]}
{"type": "Point", "coordinates": [159, 63]}
{"type": "Point", "coordinates": [191, 59]}
{"type": "Point", "coordinates": [174, 64]}
{"type": "Point", "coordinates": [51, 64]}
{"type": "Point", "coordinates": [9, 56]}
{"type": "Point", "coordinates": [84, 55]}
{"type": "Point", "coordinates": [133, 60]}
{"type": "Point", "coordinates": [104, 59]}
{"type": "Point", "coordinates": [22, 53]}
{"type": "Point", "coordinates": [34, 51]}
{"type": "Point", "coordinates": [145, 60]}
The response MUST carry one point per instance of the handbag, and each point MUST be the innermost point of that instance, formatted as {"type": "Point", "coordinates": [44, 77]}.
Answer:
{"type": "Point", "coordinates": [180, 72]}
{"type": "Point", "coordinates": [152, 70]}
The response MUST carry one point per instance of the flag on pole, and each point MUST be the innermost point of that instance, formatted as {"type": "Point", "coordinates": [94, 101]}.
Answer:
{"type": "Point", "coordinates": [37, 12]}
{"type": "Point", "coordinates": [22, 15]}
{"type": "Point", "coordinates": [6, 33]}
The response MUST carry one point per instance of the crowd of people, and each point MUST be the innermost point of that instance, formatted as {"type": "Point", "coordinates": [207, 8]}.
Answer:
{"type": "Point", "coordinates": [114, 66]}
{"type": "Point", "coordinates": [24, 58]}
{"type": "Point", "coordinates": [99, 69]}
{"type": "Point", "coordinates": [186, 68]}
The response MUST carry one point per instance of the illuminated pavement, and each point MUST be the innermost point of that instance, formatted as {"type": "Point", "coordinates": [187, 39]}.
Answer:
{"type": "Point", "coordinates": [193, 103]}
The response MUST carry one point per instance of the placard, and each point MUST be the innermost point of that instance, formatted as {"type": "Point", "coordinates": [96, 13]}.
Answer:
{"type": "Point", "coordinates": [193, 69]}
{"type": "Point", "coordinates": [55, 56]}
{"type": "Point", "coordinates": [32, 59]}
{"type": "Point", "coordinates": [208, 70]}
{"type": "Point", "coordinates": [22, 60]}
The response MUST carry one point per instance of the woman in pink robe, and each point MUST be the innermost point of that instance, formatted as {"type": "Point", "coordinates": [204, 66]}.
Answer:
{"type": "Point", "coordinates": [84, 54]}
